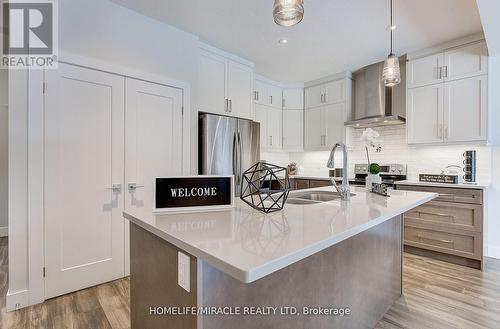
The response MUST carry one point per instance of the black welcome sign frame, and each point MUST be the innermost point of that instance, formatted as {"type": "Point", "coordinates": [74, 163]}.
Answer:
{"type": "Point", "coordinates": [194, 193]}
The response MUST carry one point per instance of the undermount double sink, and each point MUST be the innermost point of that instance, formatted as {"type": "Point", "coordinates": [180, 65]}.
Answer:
{"type": "Point", "coordinates": [313, 197]}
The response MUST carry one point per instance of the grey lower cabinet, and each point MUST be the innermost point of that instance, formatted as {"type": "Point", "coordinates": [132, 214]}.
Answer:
{"type": "Point", "coordinates": [300, 183]}
{"type": "Point", "coordinates": [449, 228]}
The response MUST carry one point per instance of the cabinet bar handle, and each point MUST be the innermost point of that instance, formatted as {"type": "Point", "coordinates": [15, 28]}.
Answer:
{"type": "Point", "coordinates": [431, 239]}
{"type": "Point", "coordinates": [226, 105]}
{"type": "Point", "coordinates": [445, 69]}
{"type": "Point", "coordinates": [230, 105]}
{"type": "Point", "coordinates": [440, 72]}
{"type": "Point", "coordinates": [435, 214]}
{"type": "Point", "coordinates": [271, 99]}
{"type": "Point", "coordinates": [270, 140]}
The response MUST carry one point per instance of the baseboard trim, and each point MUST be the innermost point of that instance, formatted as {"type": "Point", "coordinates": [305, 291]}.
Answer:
{"type": "Point", "coordinates": [17, 300]}
{"type": "Point", "coordinates": [4, 231]}
{"type": "Point", "coordinates": [494, 251]}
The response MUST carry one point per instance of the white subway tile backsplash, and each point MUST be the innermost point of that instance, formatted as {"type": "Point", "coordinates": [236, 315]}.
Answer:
{"type": "Point", "coordinates": [420, 159]}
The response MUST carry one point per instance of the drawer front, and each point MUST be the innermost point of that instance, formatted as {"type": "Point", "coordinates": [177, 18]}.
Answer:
{"type": "Point", "coordinates": [319, 183]}
{"type": "Point", "coordinates": [446, 215]}
{"type": "Point", "coordinates": [301, 184]}
{"type": "Point", "coordinates": [448, 194]}
{"type": "Point", "coordinates": [465, 245]}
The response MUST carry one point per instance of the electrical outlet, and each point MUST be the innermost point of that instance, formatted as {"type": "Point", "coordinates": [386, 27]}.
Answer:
{"type": "Point", "coordinates": [184, 275]}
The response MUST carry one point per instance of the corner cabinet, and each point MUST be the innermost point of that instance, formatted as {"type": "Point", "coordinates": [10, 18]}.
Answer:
{"type": "Point", "coordinates": [447, 97]}
{"type": "Point", "coordinates": [280, 112]}
{"type": "Point", "coordinates": [293, 119]}
{"type": "Point", "coordinates": [271, 125]}
{"type": "Point", "coordinates": [224, 85]}
{"type": "Point", "coordinates": [267, 94]}
{"type": "Point", "coordinates": [327, 108]}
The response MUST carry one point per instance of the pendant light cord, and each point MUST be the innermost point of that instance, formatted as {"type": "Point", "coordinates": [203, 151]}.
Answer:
{"type": "Point", "coordinates": [391, 27]}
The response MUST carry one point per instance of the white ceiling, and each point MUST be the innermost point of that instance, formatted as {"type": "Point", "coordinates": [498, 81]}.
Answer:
{"type": "Point", "coordinates": [335, 35]}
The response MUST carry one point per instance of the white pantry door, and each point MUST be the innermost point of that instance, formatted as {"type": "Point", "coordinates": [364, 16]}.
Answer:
{"type": "Point", "coordinates": [153, 141]}
{"type": "Point", "coordinates": [84, 228]}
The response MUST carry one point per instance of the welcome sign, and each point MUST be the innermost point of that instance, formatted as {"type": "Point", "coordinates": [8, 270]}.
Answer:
{"type": "Point", "coordinates": [194, 193]}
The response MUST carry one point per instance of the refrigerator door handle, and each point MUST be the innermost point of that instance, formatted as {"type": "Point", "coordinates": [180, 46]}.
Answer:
{"type": "Point", "coordinates": [240, 160]}
{"type": "Point", "coordinates": [235, 159]}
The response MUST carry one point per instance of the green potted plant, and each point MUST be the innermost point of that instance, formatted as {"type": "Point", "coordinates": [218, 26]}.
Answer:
{"type": "Point", "coordinates": [373, 175]}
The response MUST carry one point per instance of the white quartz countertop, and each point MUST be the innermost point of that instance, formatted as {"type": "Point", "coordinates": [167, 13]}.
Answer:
{"type": "Point", "coordinates": [248, 244]}
{"type": "Point", "coordinates": [477, 186]}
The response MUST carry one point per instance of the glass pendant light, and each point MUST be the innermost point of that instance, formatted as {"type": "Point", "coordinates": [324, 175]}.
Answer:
{"type": "Point", "coordinates": [288, 12]}
{"type": "Point", "coordinates": [391, 75]}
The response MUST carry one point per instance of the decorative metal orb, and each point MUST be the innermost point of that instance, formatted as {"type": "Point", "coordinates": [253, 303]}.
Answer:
{"type": "Point", "coordinates": [265, 187]}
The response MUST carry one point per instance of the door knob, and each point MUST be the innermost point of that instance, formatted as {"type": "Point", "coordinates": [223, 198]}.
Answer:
{"type": "Point", "coordinates": [133, 186]}
{"type": "Point", "coordinates": [116, 188]}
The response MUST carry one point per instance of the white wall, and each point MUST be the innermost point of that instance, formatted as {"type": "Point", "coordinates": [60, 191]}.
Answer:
{"type": "Point", "coordinates": [102, 29]}
{"type": "Point", "coordinates": [493, 211]}
{"type": "Point", "coordinates": [108, 32]}
{"type": "Point", "coordinates": [3, 151]}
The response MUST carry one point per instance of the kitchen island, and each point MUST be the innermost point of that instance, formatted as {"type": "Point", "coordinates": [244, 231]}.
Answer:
{"type": "Point", "coordinates": [335, 264]}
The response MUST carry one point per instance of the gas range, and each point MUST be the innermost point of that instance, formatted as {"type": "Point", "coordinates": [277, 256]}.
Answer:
{"type": "Point", "coordinates": [390, 173]}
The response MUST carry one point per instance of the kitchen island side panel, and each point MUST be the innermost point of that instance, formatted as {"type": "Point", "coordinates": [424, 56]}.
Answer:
{"type": "Point", "coordinates": [363, 273]}
{"type": "Point", "coordinates": [153, 283]}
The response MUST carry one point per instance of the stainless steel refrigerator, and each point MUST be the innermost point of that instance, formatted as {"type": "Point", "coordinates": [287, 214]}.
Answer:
{"type": "Point", "coordinates": [227, 146]}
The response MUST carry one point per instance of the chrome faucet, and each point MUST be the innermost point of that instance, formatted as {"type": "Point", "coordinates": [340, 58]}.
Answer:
{"type": "Point", "coordinates": [344, 190]}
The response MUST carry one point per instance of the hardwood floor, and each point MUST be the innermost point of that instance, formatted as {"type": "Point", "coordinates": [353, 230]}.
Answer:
{"type": "Point", "coordinates": [104, 306]}
{"type": "Point", "coordinates": [437, 295]}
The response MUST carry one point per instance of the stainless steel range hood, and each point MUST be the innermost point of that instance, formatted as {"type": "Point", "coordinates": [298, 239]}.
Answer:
{"type": "Point", "coordinates": [374, 104]}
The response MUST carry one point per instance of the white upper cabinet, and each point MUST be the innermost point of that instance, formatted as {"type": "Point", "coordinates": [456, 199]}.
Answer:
{"type": "Point", "coordinates": [466, 62]}
{"type": "Point", "coordinates": [458, 63]}
{"type": "Point", "coordinates": [239, 90]}
{"type": "Point", "coordinates": [451, 105]}
{"type": "Point", "coordinates": [424, 71]}
{"type": "Point", "coordinates": [327, 93]}
{"type": "Point", "coordinates": [224, 86]}
{"type": "Point", "coordinates": [212, 83]}
{"type": "Point", "coordinates": [424, 114]}
{"type": "Point", "coordinates": [314, 129]}
{"type": "Point", "coordinates": [275, 96]}
{"type": "Point", "coordinates": [327, 106]}
{"type": "Point", "coordinates": [279, 130]}
{"type": "Point", "coordinates": [334, 92]}
{"type": "Point", "coordinates": [267, 94]}
{"type": "Point", "coordinates": [314, 96]}
{"type": "Point", "coordinates": [260, 91]}
{"type": "Point", "coordinates": [293, 126]}
{"type": "Point", "coordinates": [274, 128]}
{"type": "Point", "coordinates": [261, 117]}
{"type": "Point", "coordinates": [293, 99]}
{"type": "Point", "coordinates": [334, 117]}
{"type": "Point", "coordinates": [271, 125]}
{"type": "Point", "coordinates": [324, 126]}
{"type": "Point", "coordinates": [465, 110]}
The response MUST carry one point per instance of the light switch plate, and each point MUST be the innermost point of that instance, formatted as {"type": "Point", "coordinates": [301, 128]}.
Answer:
{"type": "Point", "coordinates": [184, 275]}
